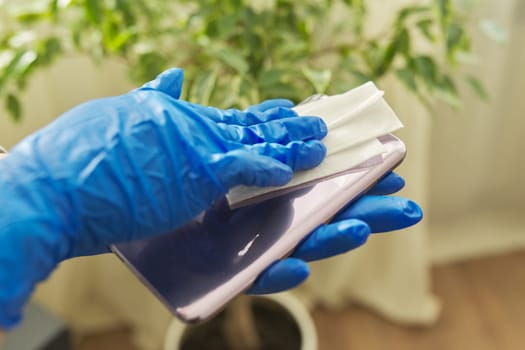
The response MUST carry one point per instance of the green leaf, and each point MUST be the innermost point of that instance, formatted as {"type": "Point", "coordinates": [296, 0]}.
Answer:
{"type": "Point", "coordinates": [454, 36]}
{"type": "Point", "coordinates": [405, 12]}
{"type": "Point", "coordinates": [407, 77]}
{"type": "Point", "coordinates": [372, 55]}
{"type": "Point", "coordinates": [426, 26]}
{"type": "Point", "coordinates": [8, 67]}
{"type": "Point", "coordinates": [24, 67]}
{"type": "Point", "coordinates": [361, 77]}
{"type": "Point", "coordinates": [115, 36]}
{"type": "Point", "coordinates": [447, 91]}
{"type": "Point", "coordinates": [226, 93]}
{"type": "Point", "coordinates": [477, 86]}
{"type": "Point", "coordinates": [403, 42]}
{"type": "Point", "coordinates": [13, 106]}
{"type": "Point", "coordinates": [319, 78]}
{"type": "Point", "coordinates": [6, 59]}
{"type": "Point", "coordinates": [65, 3]}
{"type": "Point", "coordinates": [48, 50]}
{"type": "Point", "coordinates": [147, 67]}
{"type": "Point", "coordinates": [93, 10]}
{"type": "Point", "coordinates": [124, 7]}
{"type": "Point", "coordinates": [273, 76]}
{"type": "Point", "coordinates": [426, 67]}
{"type": "Point", "coordinates": [388, 58]}
{"type": "Point", "coordinates": [27, 59]}
{"type": "Point", "coordinates": [232, 59]}
{"type": "Point", "coordinates": [248, 92]}
{"type": "Point", "coordinates": [202, 87]}
{"type": "Point", "coordinates": [30, 17]}
{"type": "Point", "coordinates": [289, 91]}
{"type": "Point", "coordinates": [22, 38]}
{"type": "Point", "coordinates": [400, 43]}
{"type": "Point", "coordinates": [53, 8]}
{"type": "Point", "coordinates": [448, 84]}
{"type": "Point", "coordinates": [118, 42]}
{"type": "Point", "coordinates": [444, 10]}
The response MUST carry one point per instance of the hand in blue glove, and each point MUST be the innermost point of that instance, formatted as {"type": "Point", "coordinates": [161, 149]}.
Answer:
{"type": "Point", "coordinates": [376, 212]}
{"type": "Point", "coordinates": [373, 213]}
{"type": "Point", "coordinates": [133, 166]}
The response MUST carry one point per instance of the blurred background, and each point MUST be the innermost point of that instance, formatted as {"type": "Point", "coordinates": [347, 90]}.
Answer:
{"type": "Point", "coordinates": [453, 72]}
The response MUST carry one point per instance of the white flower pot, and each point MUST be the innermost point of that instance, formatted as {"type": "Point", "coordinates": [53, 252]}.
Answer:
{"type": "Point", "coordinates": [294, 307]}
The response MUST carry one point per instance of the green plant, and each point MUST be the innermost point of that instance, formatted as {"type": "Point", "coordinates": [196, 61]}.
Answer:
{"type": "Point", "coordinates": [238, 52]}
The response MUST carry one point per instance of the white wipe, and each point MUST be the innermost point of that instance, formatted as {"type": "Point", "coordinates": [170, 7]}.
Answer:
{"type": "Point", "coordinates": [355, 119]}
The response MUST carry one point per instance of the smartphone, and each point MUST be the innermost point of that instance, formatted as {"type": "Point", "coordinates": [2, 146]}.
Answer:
{"type": "Point", "coordinates": [197, 269]}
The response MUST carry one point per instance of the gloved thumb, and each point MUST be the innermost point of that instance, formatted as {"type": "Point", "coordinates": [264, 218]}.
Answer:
{"type": "Point", "coordinates": [170, 82]}
{"type": "Point", "coordinates": [242, 167]}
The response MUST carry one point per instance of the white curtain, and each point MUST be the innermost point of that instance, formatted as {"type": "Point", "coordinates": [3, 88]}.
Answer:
{"type": "Point", "coordinates": [464, 167]}
{"type": "Point", "coordinates": [476, 162]}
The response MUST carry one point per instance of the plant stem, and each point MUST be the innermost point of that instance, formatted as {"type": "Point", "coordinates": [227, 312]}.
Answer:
{"type": "Point", "coordinates": [239, 326]}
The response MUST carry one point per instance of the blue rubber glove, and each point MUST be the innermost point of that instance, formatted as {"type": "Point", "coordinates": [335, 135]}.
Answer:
{"type": "Point", "coordinates": [373, 213]}
{"type": "Point", "coordinates": [129, 167]}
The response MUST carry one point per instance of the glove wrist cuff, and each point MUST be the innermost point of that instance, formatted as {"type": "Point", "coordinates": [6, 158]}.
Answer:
{"type": "Point", "coordinates": [32, 244]}
{"type": "Point", "coordinates": [24, 262]}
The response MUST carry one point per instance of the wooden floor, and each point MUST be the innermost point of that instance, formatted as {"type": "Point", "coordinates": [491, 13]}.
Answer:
{"type": "Point", "coordinates": [484, 308]}
{"type": "Point", "coordinates": [115, 340]}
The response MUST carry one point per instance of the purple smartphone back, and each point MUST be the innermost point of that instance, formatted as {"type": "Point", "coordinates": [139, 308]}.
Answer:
{"type": "Point", "coordinates": [198, 268]}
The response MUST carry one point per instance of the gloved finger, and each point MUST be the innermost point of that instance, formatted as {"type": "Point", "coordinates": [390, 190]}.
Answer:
{"type": "Point", "coordinates": [389, 184]}
{"type": "Point", "coordinates": [383, 213]}
{"type": "Point", "coordinates": [333, 239]}
{"type": "Point", "coordinates": [270, 104]}
{"type": "Point", "coordinates": [237, 117]}
{"type": "Point", "coordinates": [297, 155]}
{"type": "Point", "coordinates": [282, 275]}
{"type": "Point", "coordinates": [233, 116]}
{"type": "Point", "coordinates": [170, 82]}
{"type": "Point", "coordinates": [242, 167]}
{"type": "Point", "coordinates": [281, 131]}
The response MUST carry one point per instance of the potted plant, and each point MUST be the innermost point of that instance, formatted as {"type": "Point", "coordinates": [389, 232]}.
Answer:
{"type": "Point", "coordinates": [241, 52]}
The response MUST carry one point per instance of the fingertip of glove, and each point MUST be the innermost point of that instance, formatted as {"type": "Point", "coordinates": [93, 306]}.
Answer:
{"type": "Point", "coordinates": [169, 82]}
{"type": "Point", "coordinates": [323, 128]}
{"type": "Point", "coordinates": [299, 267]}
{"type": "Point", "coordinates": [317, 125]}
{"type": "Point", "coordinates": [283, 275]}
{"type": "Point", "coordinates": [281, 112]}
{"type": "Point", "coordinates": [355, 232]}
{"type": "Point", "coordinates": [396, 181]}
{"type": "Point", "coordinates": [271, 104]}
{"type": "Point", "coordinates": [307, 155]}
{"type": "Point", "coordinates": [273, 173]}
{"type": "Point", "coordinates": [281, 102]}
{"type": "Point", "coordinates": [413, 211]}
{"type": "Point", "coordinates": [283, 175]}
{"type": "Point", "coordinates": [390, 183]}
{"type": "Point", "coordinates": [295, 271]}
{"type": "Point", "coordinates": [317, 151]}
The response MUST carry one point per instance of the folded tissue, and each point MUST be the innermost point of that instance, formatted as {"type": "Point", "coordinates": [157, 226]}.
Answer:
{"type": "Point", "coordinates": [355, 119]}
